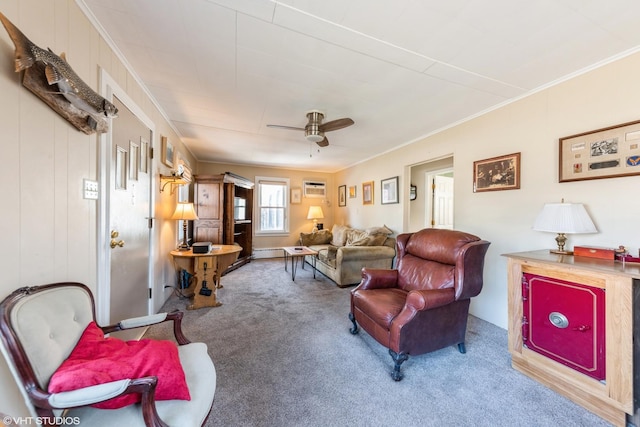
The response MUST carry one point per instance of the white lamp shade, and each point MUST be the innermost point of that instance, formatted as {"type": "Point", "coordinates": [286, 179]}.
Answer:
{"type": "Point", "coordinates": [184, 210]}
{"type": "Point", "coordinates": [315, 212]}
{"type": "Point", "coordinates": [568, 218]}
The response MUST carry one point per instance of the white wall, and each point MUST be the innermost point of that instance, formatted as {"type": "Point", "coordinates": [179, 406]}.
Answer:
{"type": "Point", "coordinates": [49, 232]}
{"type": "Point", "coordinates": [532, 126]}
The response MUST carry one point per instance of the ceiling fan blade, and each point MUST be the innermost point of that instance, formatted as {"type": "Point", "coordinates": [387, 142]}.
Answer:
{"type": "Point", "coordinates": [323, 143]}
{"type": "Point", "coordinates": [336, 124]}
{"type": "Point", "coordinates": [284, 127]}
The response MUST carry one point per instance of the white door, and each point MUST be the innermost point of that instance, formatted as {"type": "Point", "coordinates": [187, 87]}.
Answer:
{"type": "Point", "coordinates": [442, 202]}
{"type": "Point", "coordinates": [129, 215]}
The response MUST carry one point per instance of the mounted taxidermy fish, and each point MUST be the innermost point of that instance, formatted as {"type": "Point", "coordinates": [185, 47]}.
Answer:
{"type": "Point", "coordinates": [52, 79]}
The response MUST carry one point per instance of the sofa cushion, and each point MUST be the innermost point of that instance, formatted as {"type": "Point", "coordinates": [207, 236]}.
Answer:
{"type": "Point", "coordinates": [98, 360]}
{"type": "Point", "coordinates": [328, 255]}
{"type": "Point", "coordinates": [339, 233]}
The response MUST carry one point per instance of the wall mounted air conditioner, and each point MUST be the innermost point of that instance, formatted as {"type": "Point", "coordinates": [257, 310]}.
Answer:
{"type": "Point", "coordinates": [315, 189]}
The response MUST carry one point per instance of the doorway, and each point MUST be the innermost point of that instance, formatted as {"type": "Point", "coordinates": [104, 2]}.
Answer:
{"type": "Point", "coordinates": [431, 207]}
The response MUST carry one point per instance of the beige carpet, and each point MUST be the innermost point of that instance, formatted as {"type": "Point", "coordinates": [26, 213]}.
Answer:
{"type": "Point", "coordinates": [285, 357]}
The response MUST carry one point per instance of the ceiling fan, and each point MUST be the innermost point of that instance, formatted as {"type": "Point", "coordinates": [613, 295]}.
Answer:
{"type": "Point", "coordinates": [315, 129]}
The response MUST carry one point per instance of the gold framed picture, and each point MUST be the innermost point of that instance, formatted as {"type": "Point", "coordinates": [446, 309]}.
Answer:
{"type": "Point", "coordinates": [367, 193]}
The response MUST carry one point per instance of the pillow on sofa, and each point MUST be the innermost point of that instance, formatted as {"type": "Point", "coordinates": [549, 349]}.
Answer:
{"type": "Point", "coordinates": [369, 240]}
{"type": "Point", "coordinates": [354, 236]}
{"type": "Point", "coordinates": [339, 233]}
{"type": "Point", "coordinates": [320, 237]}
{"type": "Point", "coordinates": [97, 360]}
{"type": "Point", "coordinates": [379, 230]}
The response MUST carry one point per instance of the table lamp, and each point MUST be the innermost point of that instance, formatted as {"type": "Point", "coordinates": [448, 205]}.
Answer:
{"type": "Point", "coordinates": [184, 212]}
{"type": "Point", "coordinates": [315, 213]}
{"type": "Point", "coordinates": [564, 218]}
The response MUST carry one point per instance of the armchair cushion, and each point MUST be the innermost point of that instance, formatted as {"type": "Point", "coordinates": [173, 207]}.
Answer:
{"type": "Point", "coordinates": [98, 360]}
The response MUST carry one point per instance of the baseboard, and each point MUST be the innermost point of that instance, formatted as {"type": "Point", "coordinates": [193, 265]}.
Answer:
{"type": "Point", "coordinates": [261, 253]}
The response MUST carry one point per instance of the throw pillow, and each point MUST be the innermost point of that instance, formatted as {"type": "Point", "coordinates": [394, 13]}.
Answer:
{"type": "Point", "coordinates": [356, 238]}
{"type": "Point", "coordinates": [379, 230]}
{"type": "Point", "coordinates": [320, 237]}
{"type": "Point", "coordinates": [339, 233]}
{"type": "Point", "coordinates": [97, 360]}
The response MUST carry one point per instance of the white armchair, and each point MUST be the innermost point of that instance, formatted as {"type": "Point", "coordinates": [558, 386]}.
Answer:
{"type": "Point", "coordinates": [40, 327]}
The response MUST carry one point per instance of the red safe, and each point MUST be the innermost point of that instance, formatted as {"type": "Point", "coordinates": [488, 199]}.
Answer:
{"type": "Point", "coordinates": [564, 321]}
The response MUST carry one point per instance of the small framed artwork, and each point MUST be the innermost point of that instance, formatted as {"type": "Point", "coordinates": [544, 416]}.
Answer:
{"type": "Point", "coordinates": [342, 195]}
{"type": "Point", "coordinates": [367, 193]}
{"type": "Point", "coordinates": [603, 153]}
{"type": "Point", "coordinates": [352, 192]}
{"type": "Point", "coordinates": [167, 152]}
{"type": "Point", "coordinates": [413, 192]}
{"type": "Point", "coordinates": [296, 195]}
{"type": "Point", "coordinates": [389, 191]}
{"type": "Point", "coordinates": [497, 173]}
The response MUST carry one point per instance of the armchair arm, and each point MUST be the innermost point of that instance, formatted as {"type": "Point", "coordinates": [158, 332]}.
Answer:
{"type": "Point", "coordinates": [428, 299]}
{"type": "Point", "coordinates": [88, 395]}
{"type": "Point", "coordinates": [417, 301]}
{"type": "Point", "coordinates": [146, 386]}
{"type": "Point", "coordinates": [137, 322]}
{"type": "Point", "coordinates": [378, 278]}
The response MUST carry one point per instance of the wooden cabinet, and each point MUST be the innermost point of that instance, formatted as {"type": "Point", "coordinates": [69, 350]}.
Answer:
{"type": "Point", "coordinates": [224, 204]}
{"type": "Point", "coordinates": [613, 397]}
{"type": "Point", "coordinates": [209, 205]}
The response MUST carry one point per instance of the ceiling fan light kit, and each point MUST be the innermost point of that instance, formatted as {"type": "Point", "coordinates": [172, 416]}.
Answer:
{"type": "Point", "coordinates": [314, 130]}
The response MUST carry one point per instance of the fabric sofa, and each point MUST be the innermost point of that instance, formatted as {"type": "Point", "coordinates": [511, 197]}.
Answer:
{"type": "Point", "coordinates": [344, 251]}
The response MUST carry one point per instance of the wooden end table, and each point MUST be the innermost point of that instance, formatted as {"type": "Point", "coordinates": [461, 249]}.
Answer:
{"type": "Point", "coordinates": [295, 252]}
{"type": "Point", "coordinates": [207, 267]}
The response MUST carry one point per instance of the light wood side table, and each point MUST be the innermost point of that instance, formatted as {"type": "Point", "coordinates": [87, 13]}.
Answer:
{"type": "Point", "coordinates": [206, 269]}
{"type": "Point", "coordinates": [296, 252]}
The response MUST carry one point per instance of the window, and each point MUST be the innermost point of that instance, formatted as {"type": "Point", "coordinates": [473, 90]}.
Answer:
{"type": "Point", "coordinates": [273, 205]}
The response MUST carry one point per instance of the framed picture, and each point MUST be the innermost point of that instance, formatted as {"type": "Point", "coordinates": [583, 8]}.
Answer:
{"type": "Point", "coordinates": [296, 195]}
{"type": "Point", "coordinates": [367, 193]}
{"type": "Point", "coordinates": [389, 191]}
{"type": "Point", "coordinates": [342, 195]}
{"type": "Point", "coordinates": [604, 153]}
{"type": "Point", "coordinates": [497, 173]}
{"type": "Point", "coordinates": [167, 152]}
{"type": "Point", "coordinates": [352, 192]}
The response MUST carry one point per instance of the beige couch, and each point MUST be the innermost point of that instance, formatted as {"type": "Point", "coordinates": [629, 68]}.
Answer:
{"type": "Point", "coordinates": [343, 251]}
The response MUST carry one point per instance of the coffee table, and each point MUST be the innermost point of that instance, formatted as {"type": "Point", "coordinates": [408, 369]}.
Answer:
{"type": "Point", "coordinates": [296, 252]}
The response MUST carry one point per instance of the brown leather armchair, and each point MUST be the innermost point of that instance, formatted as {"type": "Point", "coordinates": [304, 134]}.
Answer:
{"type": "Point", "coordinates": [423, 304]}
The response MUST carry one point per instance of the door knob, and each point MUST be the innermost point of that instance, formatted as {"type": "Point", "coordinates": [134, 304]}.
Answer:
{"type": "Point", "coordinates": [115, 243]}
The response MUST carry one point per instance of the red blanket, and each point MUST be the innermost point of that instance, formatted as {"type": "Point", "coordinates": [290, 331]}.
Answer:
{"type": "Point", "coordinates": [97, 360]}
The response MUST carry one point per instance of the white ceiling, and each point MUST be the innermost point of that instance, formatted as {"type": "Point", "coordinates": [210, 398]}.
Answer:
{"type": "Point", "coordinates": [221, 70]}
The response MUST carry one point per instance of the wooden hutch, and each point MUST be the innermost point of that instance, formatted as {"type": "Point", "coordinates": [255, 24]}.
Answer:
{"type": "Point", "coordinates": [224, 204]}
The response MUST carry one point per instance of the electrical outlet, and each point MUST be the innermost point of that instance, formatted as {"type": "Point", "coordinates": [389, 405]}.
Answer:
{"type": "Point", "coordinates": [90, 189]}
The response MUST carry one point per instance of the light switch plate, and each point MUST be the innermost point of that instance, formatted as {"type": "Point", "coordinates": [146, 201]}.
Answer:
{"type": "Point", "coordinates": [90, 189]}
